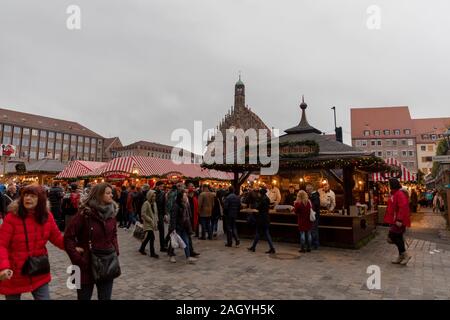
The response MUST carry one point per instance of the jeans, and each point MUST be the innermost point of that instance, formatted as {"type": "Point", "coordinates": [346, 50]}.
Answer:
{"type": "Point", "coordinates": [206, 226]}
{"type": "Point", "coordinates": [265, 230]}
{"type": "Point", "coordinates": [150, 237]}
{"type": "Point", "coordinates": [303, 240]}
{"type": "Point", "coordinates": [162, 243]}
{"type": "Point", "coordinates": [315, 233]}
{"type": "Point", "coordinates": [104, 290]}
{"type": "Point", "coordinates": [41, 293]}
{"type": "Point", "coordinates": [231, 230]}
{"type": "Point", "coordinates": [214, 224]}
{"type": "Point", "coordinates": [131, 219]}
{"type": "Point", "coordinates": [397, 239]}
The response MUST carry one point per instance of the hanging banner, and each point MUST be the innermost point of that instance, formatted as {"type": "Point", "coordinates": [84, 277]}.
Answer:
{"type": "Point", "coordinates": [8, 150]}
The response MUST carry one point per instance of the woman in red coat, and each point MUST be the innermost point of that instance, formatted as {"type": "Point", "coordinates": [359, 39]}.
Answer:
{"type": "Point", "coordinates": [302, 207]}
{"type": "Point", "coordinates": [28, 217]}
{"type": "Point", "coordinates": [95, 222]}
{"type": "Point", "coordinates": [397, 215]}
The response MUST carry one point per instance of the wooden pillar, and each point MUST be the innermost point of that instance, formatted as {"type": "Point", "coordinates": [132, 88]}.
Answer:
{"type": "Point", "coordinates": [348, 187]}
{"type": "Point", "coordinates": [236, 185]}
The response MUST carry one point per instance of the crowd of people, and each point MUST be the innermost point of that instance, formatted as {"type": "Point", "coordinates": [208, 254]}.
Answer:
{"type": "Point", "coordinates": [84, 223]}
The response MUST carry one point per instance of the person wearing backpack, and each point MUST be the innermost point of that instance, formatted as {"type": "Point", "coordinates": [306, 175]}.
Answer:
{"type": "Point", "coordinates": [55, 196]}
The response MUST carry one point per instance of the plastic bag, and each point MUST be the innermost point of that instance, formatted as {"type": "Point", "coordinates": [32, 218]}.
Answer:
{"type": "Point", "coordinates": [174, 240]}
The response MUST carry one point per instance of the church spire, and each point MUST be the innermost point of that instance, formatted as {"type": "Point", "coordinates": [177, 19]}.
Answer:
{"type": "Point", "coordinates": [239, 94]}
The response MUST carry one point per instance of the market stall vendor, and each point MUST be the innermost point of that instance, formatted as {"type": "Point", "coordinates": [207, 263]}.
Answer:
{"type": "Point", "coordinates": [274, 195]}
{"type": "Point", "coordinates": [291, 196]}
{"type": "Point", "coordinates": [327, 198]}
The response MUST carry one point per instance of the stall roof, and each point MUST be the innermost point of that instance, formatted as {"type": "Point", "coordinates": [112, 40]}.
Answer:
{"type": "Point", "coordinates": [41, 166]}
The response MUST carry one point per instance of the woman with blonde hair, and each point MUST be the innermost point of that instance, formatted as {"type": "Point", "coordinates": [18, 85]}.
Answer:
{"type": "Point", "coordinates": [302, 208]}
{"type": "Point", "coordinates": [149, 214]}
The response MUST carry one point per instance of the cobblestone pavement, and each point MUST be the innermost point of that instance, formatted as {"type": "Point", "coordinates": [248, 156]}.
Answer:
{"type": "Point", "coordinates": [235, 273]}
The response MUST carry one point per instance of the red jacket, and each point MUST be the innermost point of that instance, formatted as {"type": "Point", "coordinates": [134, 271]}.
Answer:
{"type": "Point", "coordinates": [14, 253]}
{"type": "Point", "coordinates": [195, 213]}
{"type": "Point", "coordinates": [398, 209]}
{"type": "Point", "coordinates": [104, 236]}
{"type": "Point", "coordinates": [303, 216]}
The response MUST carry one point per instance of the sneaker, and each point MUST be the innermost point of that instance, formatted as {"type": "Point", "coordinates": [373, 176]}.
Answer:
{"type": "Point", "coordinates": [397, 260]}
{"type": "Point", "coordinates": [173, 259]}
{"type": "Point", "coordinates": [405, 260]}
{"type": "Point", "coordinates": [191, 260]}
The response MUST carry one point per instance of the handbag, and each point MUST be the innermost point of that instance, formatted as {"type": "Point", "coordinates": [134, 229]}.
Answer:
{"type": "Point", "coordinates": [174, 240]}
{"type": "Point", "coordinates": [312, 214]}
{"type": "Point", "coordinates": [139, 232]}
{"type": "Point", "coordinates": [34, 266]}
{"type": "Point", "coordinates": [104, 262]}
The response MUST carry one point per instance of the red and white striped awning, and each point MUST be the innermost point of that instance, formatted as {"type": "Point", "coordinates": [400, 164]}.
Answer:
{"type": "Point", "coordinates": [406, 174]}
{"type": "Point", "coordinates": [79, 168]}
{"type": "Point", "coordinates": [149, 166]}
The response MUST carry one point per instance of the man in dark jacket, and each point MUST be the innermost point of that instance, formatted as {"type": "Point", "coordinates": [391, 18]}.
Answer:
{"type": "Point", "coordinates": [161, 205]}
{"type": "Point", "coordinates": [232, 206]}
{"type": "Point", "coordinates": [291, 196]}
{"type": "Point", "coordinates": [55, 196]}
{"type": "Point", "coordinates": [262, 221]}
{"type": "Point", "coordinates": [7, 198]}
{"type": "Point", "coordinates": [314, 197]}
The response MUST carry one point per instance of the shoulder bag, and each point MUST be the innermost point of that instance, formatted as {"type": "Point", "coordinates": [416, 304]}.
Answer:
{"type": "Point", "coordinates": [34, 266]}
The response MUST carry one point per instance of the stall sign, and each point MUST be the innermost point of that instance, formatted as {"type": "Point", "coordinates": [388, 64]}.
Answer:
{"type": "Point", "coordinates": [299, 148]}
{"type": "Point", "coordinates": [8, 150]}
{"type": "Point", "coordinates": [115, 175]}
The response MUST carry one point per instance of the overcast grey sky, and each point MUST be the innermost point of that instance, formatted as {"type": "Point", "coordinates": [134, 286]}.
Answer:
{"type": "Point", "coordinates": [140, 69]}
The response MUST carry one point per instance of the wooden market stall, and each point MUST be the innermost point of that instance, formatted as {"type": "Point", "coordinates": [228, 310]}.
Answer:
{"type": "Point", "coordinates": [42, 171]}
{"type": "Point", "coordinates": [306, 156]}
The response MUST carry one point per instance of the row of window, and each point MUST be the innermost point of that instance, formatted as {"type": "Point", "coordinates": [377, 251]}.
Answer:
{"type": "Point", "coordinates": [394, 153]}
{"type": "Point", "coordinates": [56, 156]}
{"type": "Point", "coordinates": [387, 132]}
{"type": "Point", "coordinates": [387, 142]}
{"type": "Point", "coordinates": [51, 135]}
{"type": "Point", "coordinates": [50, 145]}
{"type": "Point", "coordinates": [432, 137]}
{"type": "Point", "coordinates": [429, 148]}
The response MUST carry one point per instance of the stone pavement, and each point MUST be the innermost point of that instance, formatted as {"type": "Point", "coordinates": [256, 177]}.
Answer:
{"type": "Point", "coordinates": [235, 273]}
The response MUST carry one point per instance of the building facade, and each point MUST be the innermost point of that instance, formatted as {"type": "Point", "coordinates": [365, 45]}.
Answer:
{"type": "Point", "coordinates": [155, 150]}
{"type": "Point", "coordinates": [390, 132]}
{"type": "Point", "coordinates": [36, 137]}
{"type": "Point", "coordinates": [110, 144]}
{"type": "Point", "coordinates": [240, 116]}
{"type": "Point", "coordinates": [429, 133]}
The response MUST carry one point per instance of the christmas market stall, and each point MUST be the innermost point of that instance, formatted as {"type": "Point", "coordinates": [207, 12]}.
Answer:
{"type": "Point", "coordinates": [308, 157]}
{"type": "Point", "coordinates": [42, 171]}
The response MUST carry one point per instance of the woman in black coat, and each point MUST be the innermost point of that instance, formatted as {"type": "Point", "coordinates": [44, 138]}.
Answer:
{"type": "Point", "coordinates": [262, 221]}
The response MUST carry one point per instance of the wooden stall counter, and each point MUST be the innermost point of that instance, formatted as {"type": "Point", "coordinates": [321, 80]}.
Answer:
{"type": "Point", "coordinates": [335, 230]}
